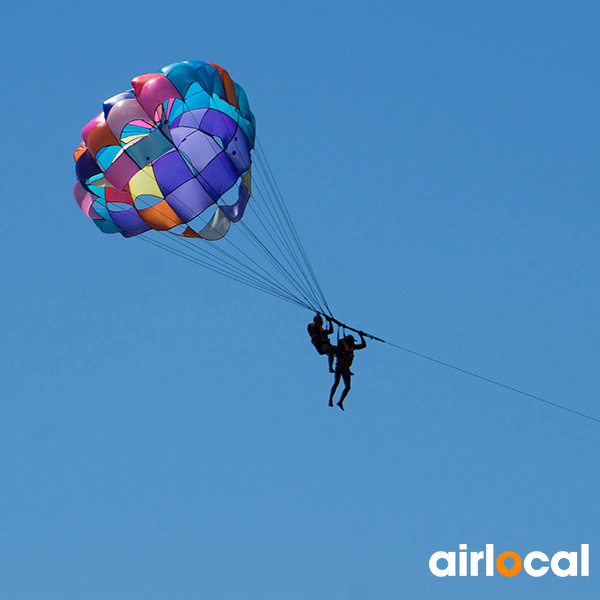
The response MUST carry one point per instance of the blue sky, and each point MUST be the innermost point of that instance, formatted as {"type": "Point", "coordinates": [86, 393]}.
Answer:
{"type": "Point", "coordinates": [165, 432]}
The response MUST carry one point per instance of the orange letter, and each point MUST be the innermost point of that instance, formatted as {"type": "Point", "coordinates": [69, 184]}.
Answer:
{"type": "Point", "coordinates": [514, 569]}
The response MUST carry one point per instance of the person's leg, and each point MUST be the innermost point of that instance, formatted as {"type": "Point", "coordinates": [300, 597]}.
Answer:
{"type": "Point", "coordinates": [330, 350]}
{"type": "Point", "coordinates": [347, 377]}
{"type": "Point", "coordinates": [336, 381]}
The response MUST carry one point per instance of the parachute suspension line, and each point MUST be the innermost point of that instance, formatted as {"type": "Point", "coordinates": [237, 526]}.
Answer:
{"type": "Point", "coordinates": [268, 254]}
{"type": "Point", "coordinates": [257, 280]}
{"type": "Point", "coordinates": [230, 273]}
{"type": "Point", "coordinates": [278, 196]}
{"type": "Point", "coordinates": [279, 241]}
{"type": "Point", "coordinates": [217, 264]}
{"type": "Point", "coordinates": [273, 215]}
{"type": "Point", "coordinates": [470, 373]}
{"type": "Point", "coordinates": [194, 260]}
{"type": "Point", "coordinates": [204, 264]}
{"type": "Point", "coordinates": [265, 218]}
{"type": "Point", "coordinates": [279, 208]}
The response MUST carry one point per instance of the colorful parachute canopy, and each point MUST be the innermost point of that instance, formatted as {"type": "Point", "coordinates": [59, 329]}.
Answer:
{"type": "Point", "coordinates": [169, 154]}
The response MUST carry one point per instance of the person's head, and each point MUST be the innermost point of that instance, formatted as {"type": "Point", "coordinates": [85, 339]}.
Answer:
{"type": "Point", "coordinates": [350, 340]}
{"type": "Point", "coordinates": [318, 319]}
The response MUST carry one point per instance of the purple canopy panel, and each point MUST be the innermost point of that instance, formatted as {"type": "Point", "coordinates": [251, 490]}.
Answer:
{"type": "Point", "coordinates": [86, 167]}
{"type": "Point", "coordinates": [199, 149]}
{"type": "Point", "coordinates": [189, 200]}
{"type": "Point", "coordinates": [179, 133]}
{"type": "Point", "coordinates": [235, 212]}
{"type": "Point", "coordinates": [130, 221]}
{"type": "Point", "coordinates": [238, 150]}
{"type": "Point", "coordinates": [219, 124]}
{"type": "Point", "coordinates": [219, 176]}
{"type": "Point", "coordinates": [191, 118]}
{"type": "Point", "coordinates": [171, 171]}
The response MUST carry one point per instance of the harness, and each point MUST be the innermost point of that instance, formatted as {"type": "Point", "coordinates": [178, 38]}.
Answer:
{"type": "Point", "coordinates": [318, 337]}
{"type": "Point", "coordinates": [345, 356]}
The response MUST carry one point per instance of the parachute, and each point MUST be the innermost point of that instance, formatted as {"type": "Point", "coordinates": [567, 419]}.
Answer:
{"type": "Point", "coordinates": [163, 153]}
{"type": "Point", "coordinates": [170, 161]}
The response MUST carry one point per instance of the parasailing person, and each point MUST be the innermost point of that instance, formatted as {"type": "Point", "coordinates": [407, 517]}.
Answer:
{"type": "Point", "coordinates": [320, 338]}
{"type": "Point", "coordinates": [345, 355]}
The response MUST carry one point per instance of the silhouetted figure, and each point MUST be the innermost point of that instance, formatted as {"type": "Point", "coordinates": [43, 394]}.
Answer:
{"type": "Point", "coordinates": [320, 338]}
{"type": "Point", "coordinates": [345, 356]}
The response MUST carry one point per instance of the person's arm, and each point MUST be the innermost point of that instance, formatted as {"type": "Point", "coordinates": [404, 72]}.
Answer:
{"type": "Point", "coordinates": [329, 330]}
{"type": "Point", "coordinates": [363, 343]}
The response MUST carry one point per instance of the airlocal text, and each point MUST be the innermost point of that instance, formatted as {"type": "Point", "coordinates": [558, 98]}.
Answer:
{"type": "Point", "coordinates": [509, 563]}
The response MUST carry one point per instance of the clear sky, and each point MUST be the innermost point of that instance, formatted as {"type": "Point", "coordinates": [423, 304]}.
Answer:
{"type": "Point", "coordinates": [164, 432]}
